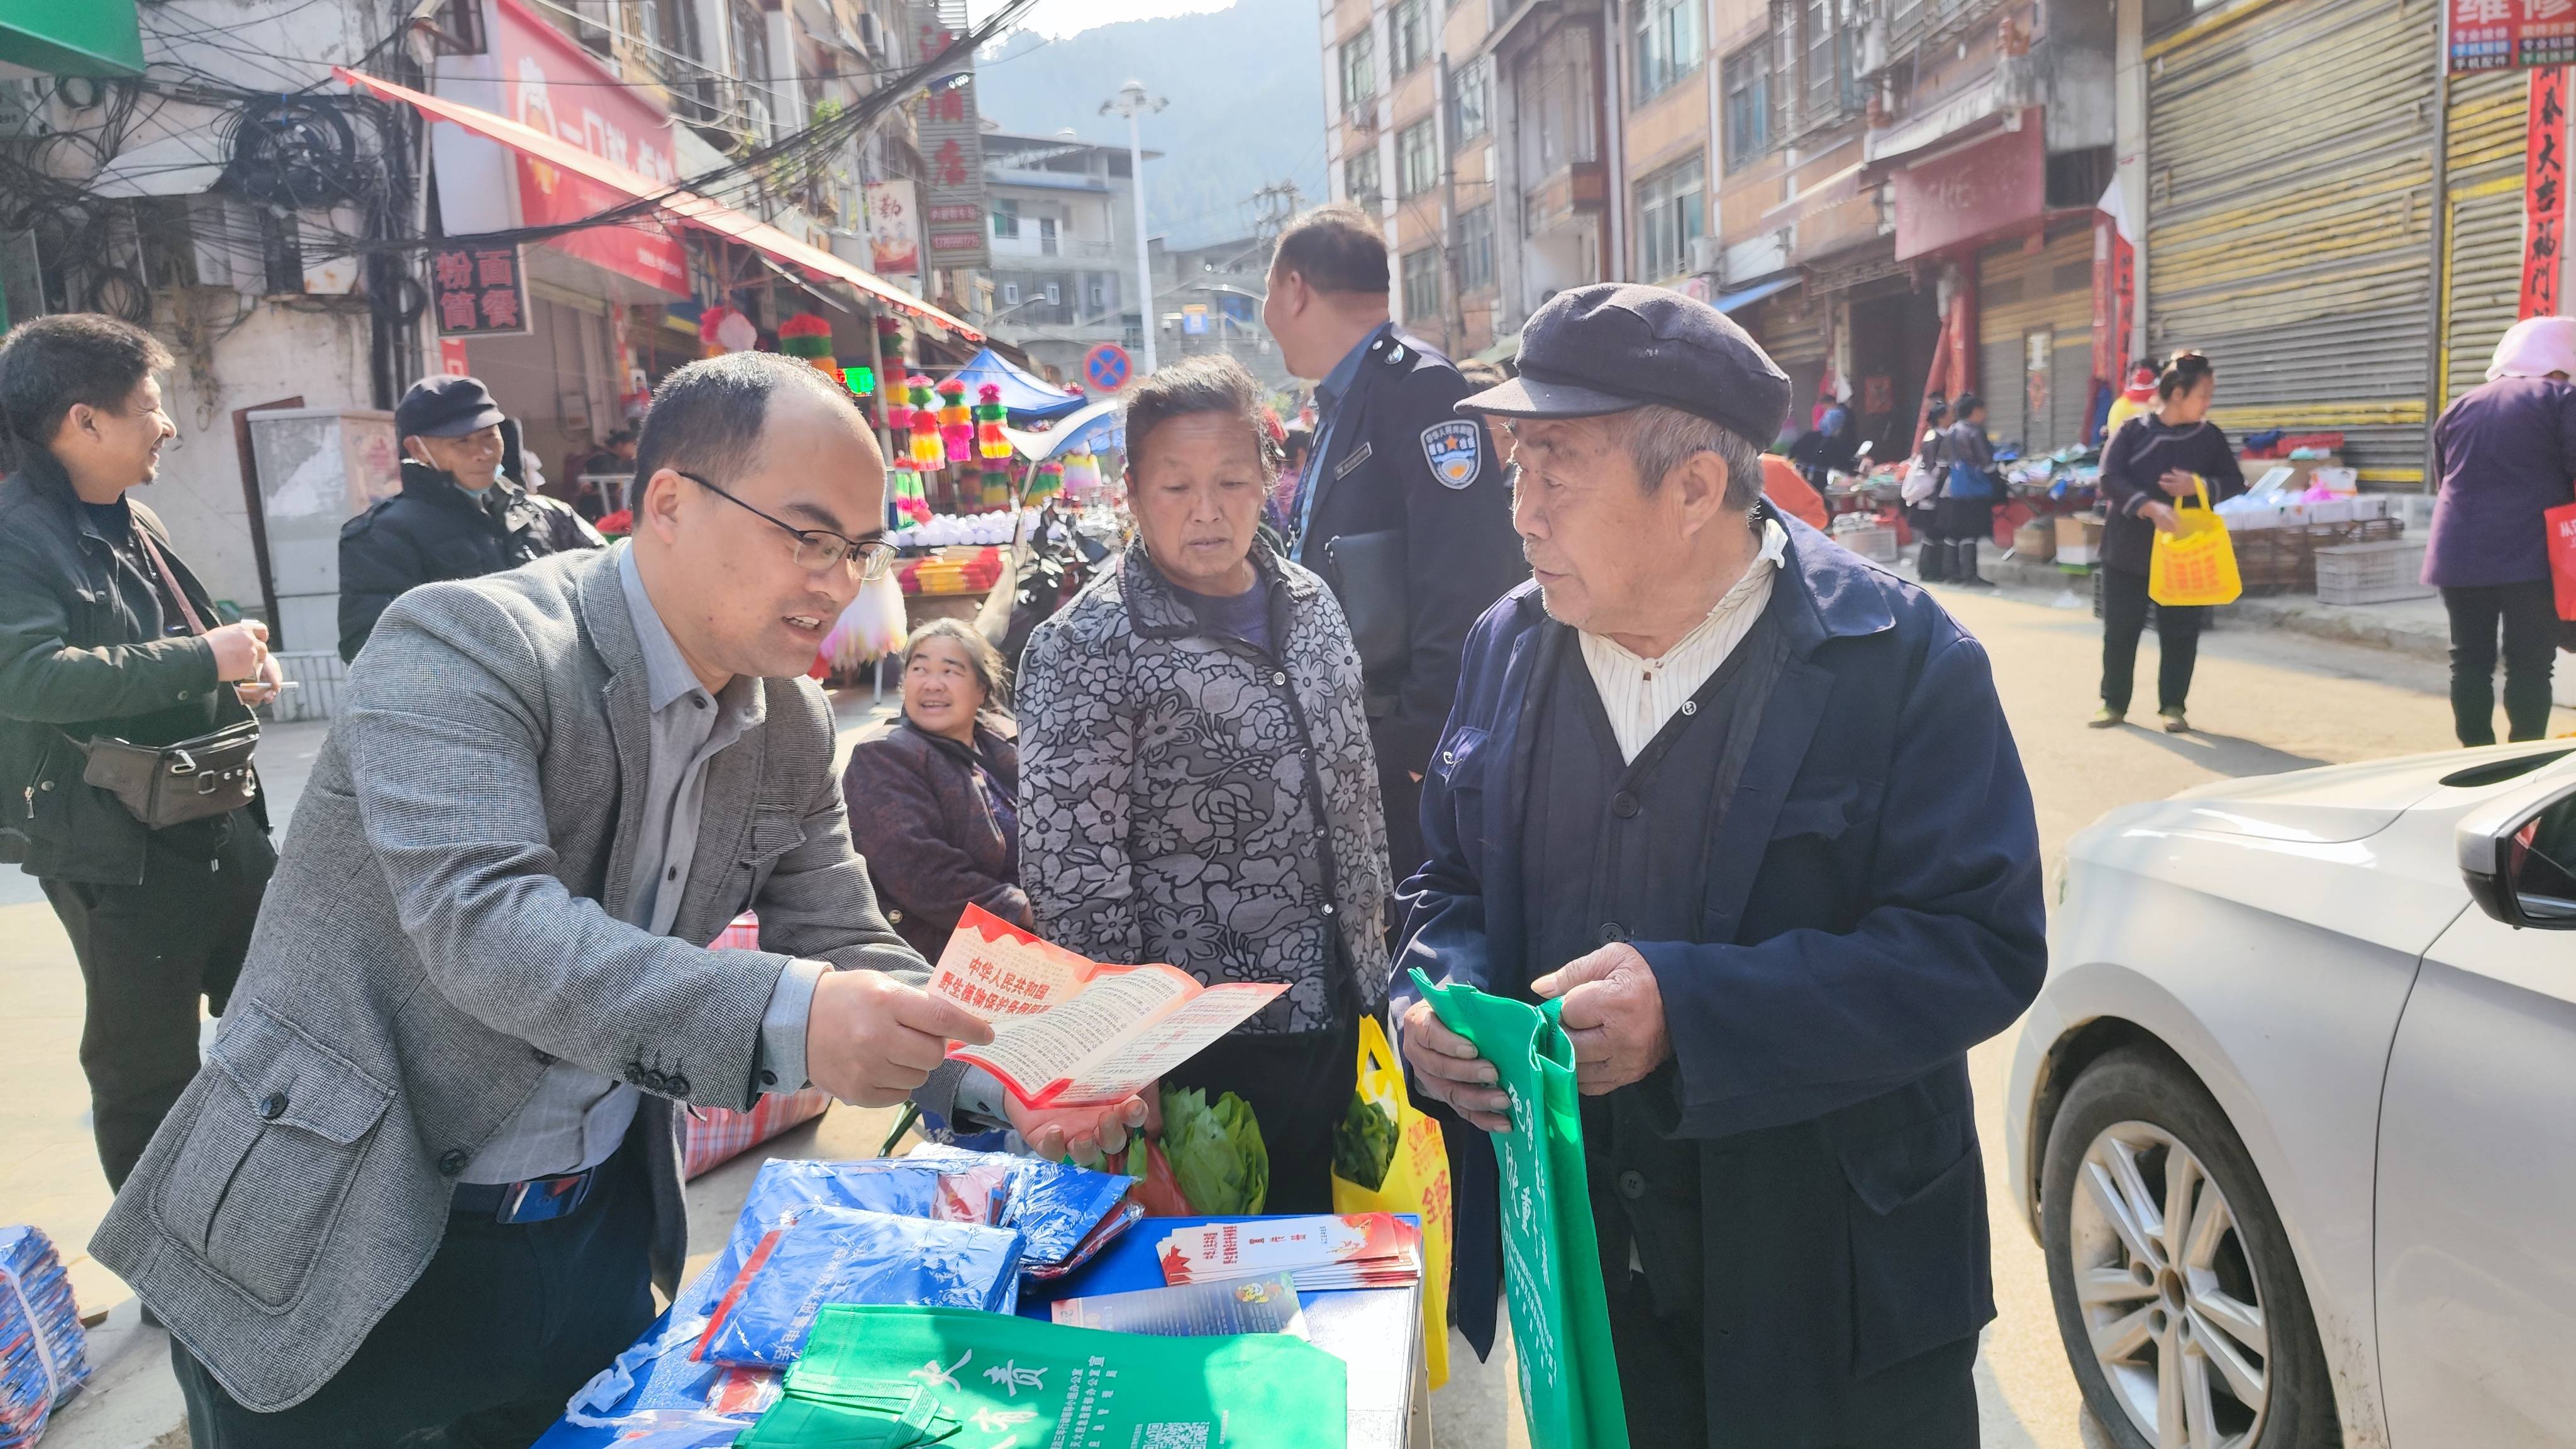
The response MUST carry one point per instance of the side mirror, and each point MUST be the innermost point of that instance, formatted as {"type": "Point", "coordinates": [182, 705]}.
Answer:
{"type": "Point", "coordinates": [2518, 856]}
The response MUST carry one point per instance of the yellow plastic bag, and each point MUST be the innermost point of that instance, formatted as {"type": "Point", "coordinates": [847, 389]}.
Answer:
{"type": "Point", "coordinates": [2195, 564]}
{"type": "Point", "coordinates": [1417, 1181]}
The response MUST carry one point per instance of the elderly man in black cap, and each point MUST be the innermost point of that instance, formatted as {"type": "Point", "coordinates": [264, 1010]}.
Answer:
{"type": "Point", "coordinates": [464, 510]}
{"type": "Point", "coordinates": [1746, 805]}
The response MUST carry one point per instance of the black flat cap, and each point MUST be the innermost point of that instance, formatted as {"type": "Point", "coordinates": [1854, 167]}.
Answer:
{"type": "Point", "coordinates": [445, 407]}
{"type": "Point", "coordinates": [1613, 346]}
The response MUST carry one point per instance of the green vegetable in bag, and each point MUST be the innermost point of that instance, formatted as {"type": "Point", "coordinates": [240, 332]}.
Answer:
{"type": "Point", "coordinates": [1364, 1143]}
{"type": "Point", "coordinates": [1216, 1153]}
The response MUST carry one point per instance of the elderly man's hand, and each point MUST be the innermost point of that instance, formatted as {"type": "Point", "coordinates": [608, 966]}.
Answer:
{"type": "Point", "coordinates": [1613, 1014]}
{"type": "Point", "coordinates": [1450, 1071]}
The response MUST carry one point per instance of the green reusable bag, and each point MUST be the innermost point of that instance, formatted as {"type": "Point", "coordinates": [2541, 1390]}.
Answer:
{"type": "Point", "coordinates": [1551, 1256]}
{"type": "Point", "coordinates": [1025, 1382]}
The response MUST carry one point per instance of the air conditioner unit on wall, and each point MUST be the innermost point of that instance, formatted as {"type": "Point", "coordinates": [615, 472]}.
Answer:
{"type": "Point", "coordinates": [1360, 117]}
{"type": "Point", "coordinates": [1704, 254]}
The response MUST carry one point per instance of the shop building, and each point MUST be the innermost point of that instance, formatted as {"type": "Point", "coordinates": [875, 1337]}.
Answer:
{"type": "Point", "coordinates": [1063, 238]}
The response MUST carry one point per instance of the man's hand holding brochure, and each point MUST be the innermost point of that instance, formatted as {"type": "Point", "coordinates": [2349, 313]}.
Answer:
{"type": "Point", "coordinates": [1076, 1040]}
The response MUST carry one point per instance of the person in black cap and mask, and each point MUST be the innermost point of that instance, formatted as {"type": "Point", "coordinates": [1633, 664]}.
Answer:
{"type": "Point", "coordinates": [461, 514]}
{"type": "Point", "coordinates": [1746, 805]}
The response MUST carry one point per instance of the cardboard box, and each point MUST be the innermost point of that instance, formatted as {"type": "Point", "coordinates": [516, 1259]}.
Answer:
{"type": "Point", "coordinates": [2036, 541]}
{"type": "Point", "coordinates": [2079, 539]}
{"type": "Point", "coordinates": [2300, 469]}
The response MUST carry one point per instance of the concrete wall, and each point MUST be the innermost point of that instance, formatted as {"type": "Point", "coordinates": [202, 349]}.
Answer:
{"type": "Point", "coordinates": [277, 352]}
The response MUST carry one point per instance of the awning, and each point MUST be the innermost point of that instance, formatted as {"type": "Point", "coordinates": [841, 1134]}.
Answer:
{"type": "Point", "coordinates": [1747, 296]}
{"type": "Point", "coordinates": [1834, 190]}
{"type": "Point", "coordinates": [685, 206]}
{"type": "Point", "coordinates": [1099, 426]}
{"type": "Point", "coordinates": [1028, 398]}
{"type": "Point", "coordinates": [72, 37]}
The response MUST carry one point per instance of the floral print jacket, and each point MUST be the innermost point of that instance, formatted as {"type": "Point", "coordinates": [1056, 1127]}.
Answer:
{"type": "Point", "coordinates": [1186, 798]}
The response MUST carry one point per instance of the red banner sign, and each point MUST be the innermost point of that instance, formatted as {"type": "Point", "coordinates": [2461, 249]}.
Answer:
{"type": "Point", "coordinates": [2510, 34]}
{"type": "Point", "coordinates": [1972, 192]}
{"type": "Point", "coordinates": [550, 84]}
{"type": "Point", "coordinates": [2544, 192]}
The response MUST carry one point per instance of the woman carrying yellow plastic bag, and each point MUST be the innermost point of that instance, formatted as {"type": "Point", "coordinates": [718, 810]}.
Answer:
{"type": "Point", "coordinates": [1389, 1158]}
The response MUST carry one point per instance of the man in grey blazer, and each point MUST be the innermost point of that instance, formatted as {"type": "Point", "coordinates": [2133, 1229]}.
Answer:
{"type": "Point", "coordinates": [430, 1173]}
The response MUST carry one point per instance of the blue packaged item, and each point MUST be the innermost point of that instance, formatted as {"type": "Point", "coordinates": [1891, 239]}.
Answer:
{"type": "Point", "coordinates": [974, 1192]}
{"type": "Point", "coordinates": [823, 1255]}
{"type": "Point", "coordinates": [1055, 1205]}
{"type": "Point", "coordinates": [658, 1392]}
{"type": "Point", "coordinates": [43, 1352]}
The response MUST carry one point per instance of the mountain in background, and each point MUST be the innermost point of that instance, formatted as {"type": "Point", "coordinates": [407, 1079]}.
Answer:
{"type": "Point", "coordinates": [1247, 92]}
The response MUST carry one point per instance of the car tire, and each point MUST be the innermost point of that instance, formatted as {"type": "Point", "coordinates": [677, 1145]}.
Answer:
{"type": "Point", "coordinates": [2137, 1126]}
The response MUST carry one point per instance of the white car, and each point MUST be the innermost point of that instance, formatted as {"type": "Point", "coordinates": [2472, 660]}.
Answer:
{"type": "Point", "coordinates": [2294, 1117]}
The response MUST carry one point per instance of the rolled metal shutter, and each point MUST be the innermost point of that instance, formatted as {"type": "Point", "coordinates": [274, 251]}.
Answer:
{"type": "Point", "coordinates": [2289, 217]}
{"type": "Point", "coordinates": [2482, 239]}
{"type": "Point", "coordinates": [1999, 369]}
{"type": "Point", "coordinates": [2020, 292]}
{"type": "Point", "coordinates": [1792, 329]}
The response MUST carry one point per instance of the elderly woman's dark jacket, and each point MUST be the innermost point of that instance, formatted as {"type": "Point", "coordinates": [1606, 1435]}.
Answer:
{"type": "Point", "coordinates": [927, 831]}
{"type": "Point", "coordinates": [1190, 800]}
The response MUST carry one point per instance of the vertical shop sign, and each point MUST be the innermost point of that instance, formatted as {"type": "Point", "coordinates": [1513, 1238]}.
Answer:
{"type": "Point", "coordinates": [952, 151]}
{"type": "Point", "coordinates": [478, 292]}
{"type": "Point", "coordinates": [550, 84]}
{"type": "Point", "coordinates": [2544, 192]}
{"type": "Point", "coordinates": [894, 229]}
{"type": "Point", "coordinates": [2509, 34]}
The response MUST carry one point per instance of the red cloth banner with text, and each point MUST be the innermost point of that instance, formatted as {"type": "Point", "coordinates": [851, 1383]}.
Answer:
{"type": "Point", "coordinates": [550, 84]}
{"type": "Point", "coordinates": [2544, 193]}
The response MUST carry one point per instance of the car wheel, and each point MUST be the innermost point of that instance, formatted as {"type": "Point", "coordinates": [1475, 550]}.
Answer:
{"type": "Point", "coordinates": [2176, 1292]}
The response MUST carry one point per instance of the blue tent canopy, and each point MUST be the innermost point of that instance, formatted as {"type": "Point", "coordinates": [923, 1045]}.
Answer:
{"type": "Point", "coordinates": [1029, 399]}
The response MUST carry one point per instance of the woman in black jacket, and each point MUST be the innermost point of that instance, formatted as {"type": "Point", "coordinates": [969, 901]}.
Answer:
{"type": "Point", "coordinates": [930, 799]}
{"type": "Point", "coordinates": [2156, 459]}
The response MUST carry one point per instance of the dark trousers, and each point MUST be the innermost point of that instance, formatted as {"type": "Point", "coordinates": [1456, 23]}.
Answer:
{"type": "Point", "coordinates": [1926, 1402]}
{"type": "Point", "coordinates": [503, 1326]}
{"type": "Point", "coordinates": [2529, 614]}
{"type": "Point", "coordinates": [147, 952]}
{"type": "Point", "coordinates": [2124, 618]}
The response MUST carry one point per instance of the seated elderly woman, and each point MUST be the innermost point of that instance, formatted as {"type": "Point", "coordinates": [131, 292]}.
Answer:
{"type": "Point", "coordinates": [931, 796]}
{"type": "Point", "coordinates": [1197, 786]}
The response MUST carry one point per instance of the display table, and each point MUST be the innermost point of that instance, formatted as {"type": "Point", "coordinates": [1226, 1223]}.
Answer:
{"type": "Point", "coordinates": [1375, 1332]}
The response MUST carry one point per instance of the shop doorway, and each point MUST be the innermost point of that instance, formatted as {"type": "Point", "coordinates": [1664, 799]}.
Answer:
{"type": "Point", "coordinates": [1892, 339]}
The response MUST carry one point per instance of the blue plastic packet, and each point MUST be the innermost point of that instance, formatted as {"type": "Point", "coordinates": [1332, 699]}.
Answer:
{"type": "Point", "coordinates": [659, 1383]}
{"type": "Point", "coordinates": [43, 1350]}
{"type": "Point", "coordinates": [826, 1255]}
{"type": "Point", "coordinates": [1055, 1205]}
{"type": "Point", "coordinates": [975, 1192]}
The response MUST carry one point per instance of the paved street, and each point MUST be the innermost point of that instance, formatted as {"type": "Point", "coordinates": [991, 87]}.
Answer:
{"type": "Point", "coordinates": [2267, 702]}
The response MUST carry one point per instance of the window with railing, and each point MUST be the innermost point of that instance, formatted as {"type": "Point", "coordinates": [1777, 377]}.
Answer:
{"type": "Point", "coordinates": [1046, 236]}
{"type": "Point", "coordinates": [1555, 90]}
{"type": "Point", "coordinates": [1476, 248]}
{"type": "Point", "coordinates": [1408, 35]}
{"type": "Point", "coordinates": [1828, 43]}
{"type": "Point", "coordinates": [1471, 98]}
{"type": "Point", "coordinates": [1359, 67]}
{"type": "Point", "coordinates": [1747, 77]}
{"type": "Point", "coordinates": [1672, 208]}
{"type": "Point", "coordinates": [1417, 159]}
{"type": "Point", "coordinates": [1667, 45]}
{"type": "Point", "coordinates": [1422, 284]}
{"type": "Point", "coordinates": [1006, 218]}
{"type": "Point", "coordinates": [1359, 179]}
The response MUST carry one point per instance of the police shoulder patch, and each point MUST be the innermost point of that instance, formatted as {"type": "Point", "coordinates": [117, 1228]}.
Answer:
{"type": "Point", "coordinates": [1455, 450]}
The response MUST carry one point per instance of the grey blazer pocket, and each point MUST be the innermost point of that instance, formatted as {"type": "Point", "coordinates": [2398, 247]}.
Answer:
{"type": "Point", "coordinates": [270, 1154]}
{"type": "Point", "coordinates": [773, 834]}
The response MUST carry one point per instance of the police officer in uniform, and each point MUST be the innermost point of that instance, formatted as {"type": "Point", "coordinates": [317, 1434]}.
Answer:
{"type": "Point", "coordinates": [1402, 507]}
{"type": "Point", "coordinates": [466, 509]}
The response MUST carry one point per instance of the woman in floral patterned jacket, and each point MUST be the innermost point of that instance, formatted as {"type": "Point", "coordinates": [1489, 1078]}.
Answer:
{"type": "Point", "coordinates": [1196, 782]}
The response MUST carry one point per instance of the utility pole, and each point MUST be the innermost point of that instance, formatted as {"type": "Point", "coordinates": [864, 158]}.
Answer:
{"type": "Point", "coordinates": [1273, 207]}
{"type": "Point", "coordinates": [1132, 102]}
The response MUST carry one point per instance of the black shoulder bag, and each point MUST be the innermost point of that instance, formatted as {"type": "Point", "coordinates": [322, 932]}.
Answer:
{"type": "Point", "coordinates": [165, 785]}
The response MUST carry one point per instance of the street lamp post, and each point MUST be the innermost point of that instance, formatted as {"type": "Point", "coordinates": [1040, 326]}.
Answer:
{"type": "Point", "coordinates": [1132, 102]}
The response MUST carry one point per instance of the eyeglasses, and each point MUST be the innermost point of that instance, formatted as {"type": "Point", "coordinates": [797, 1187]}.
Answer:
{"type": "Point", "coordinates": [819, 549]}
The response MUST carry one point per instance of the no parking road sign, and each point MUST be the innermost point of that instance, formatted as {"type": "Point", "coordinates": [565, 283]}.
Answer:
{"type": "Point", "coordinates": [1106, 367]}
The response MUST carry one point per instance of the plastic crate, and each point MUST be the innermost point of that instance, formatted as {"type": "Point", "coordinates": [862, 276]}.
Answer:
{"type": "Point", "coordinates": [1878, 545]}
{"type": "Point", "coordinates": [2371, 573]}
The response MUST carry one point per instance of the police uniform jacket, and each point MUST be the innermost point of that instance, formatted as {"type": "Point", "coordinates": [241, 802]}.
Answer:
{"type": "Point", "coordinates": [1399, 459]}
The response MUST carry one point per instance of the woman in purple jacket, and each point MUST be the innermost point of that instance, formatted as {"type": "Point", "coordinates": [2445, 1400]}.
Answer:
{"type": "Point", "coordinates": [2503, 455]}
{"type": "Point", "coordinates": [930, 799]}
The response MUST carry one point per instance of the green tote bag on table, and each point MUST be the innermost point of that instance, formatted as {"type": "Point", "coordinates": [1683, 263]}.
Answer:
{"type": "Point", "coordinates": [1551, 1257]}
